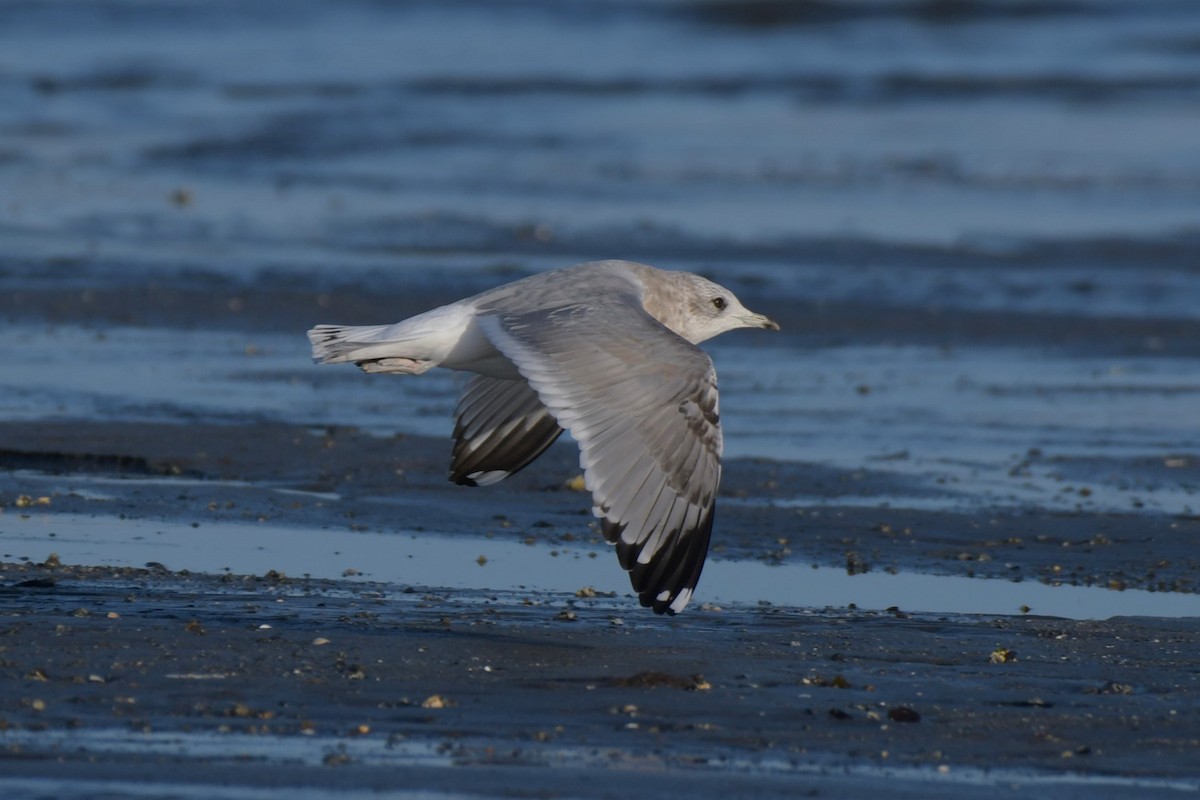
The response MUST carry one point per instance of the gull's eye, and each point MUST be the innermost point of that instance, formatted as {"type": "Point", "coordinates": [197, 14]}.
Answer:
{"type": "Point", "coordinates": [719, 303]}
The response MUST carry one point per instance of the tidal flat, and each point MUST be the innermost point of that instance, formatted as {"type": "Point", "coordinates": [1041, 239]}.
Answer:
{"type": "Point", "coordinates": [958, 535]}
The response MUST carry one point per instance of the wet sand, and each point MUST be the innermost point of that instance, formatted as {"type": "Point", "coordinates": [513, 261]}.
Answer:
{"type": "Point", "coordinates": [345, 479]}
{"type": "Point", "coordinates": [958, 538]}
{"type": "Point", "coordinates": [190, 683]}
{"type": "Point", "coordinates": [182, 693]}
{"type": "Point", "coordinates": [162, 681]}
{"type": "Point", "coordinates": [176, 683]}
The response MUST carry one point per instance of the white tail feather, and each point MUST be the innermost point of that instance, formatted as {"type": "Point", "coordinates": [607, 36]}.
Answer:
{"type": "Point", "coordinates": [367, 346]}
{"type": "Point", "coordinates": [445, 336]}
{"type": "Point", "coordinates": [337, 344]}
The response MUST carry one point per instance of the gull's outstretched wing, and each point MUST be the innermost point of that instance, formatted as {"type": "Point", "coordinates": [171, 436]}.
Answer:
{"type": "Point", "coordinates": [642, 403]}
{"type": "Point", "coordinates": [500, 427]}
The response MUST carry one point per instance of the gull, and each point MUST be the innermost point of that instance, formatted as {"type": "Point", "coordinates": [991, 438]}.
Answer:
{"type": "Point", "coordinates": [606, 350]}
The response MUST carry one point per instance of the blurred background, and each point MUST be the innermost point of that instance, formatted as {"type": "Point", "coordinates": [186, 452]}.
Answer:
{"type": "Point", "coordinates": [979, 222]}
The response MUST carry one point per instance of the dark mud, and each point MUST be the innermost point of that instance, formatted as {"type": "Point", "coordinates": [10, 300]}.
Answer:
{"type": "Point", "coordinates": [347, 479]}
{"type": "Point", "coordinates": [196, 682]}
{"type": "Point", "coordinates": [154, 682]}
{"type": "Point", "coordinates": [174, 683]}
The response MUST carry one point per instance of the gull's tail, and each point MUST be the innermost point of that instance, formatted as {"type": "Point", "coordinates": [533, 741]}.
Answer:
{"type": "Point", "coordinates": [374, 348]}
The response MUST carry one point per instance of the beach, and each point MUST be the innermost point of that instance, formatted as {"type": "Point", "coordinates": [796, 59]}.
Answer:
{"type": "Point", "coordinates": [957, 538]}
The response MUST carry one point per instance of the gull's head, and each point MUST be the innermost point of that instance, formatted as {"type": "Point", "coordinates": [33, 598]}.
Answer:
{"type": "Point", "coordinates": [710, 309]}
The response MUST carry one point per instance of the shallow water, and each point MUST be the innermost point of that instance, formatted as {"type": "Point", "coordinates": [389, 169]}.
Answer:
{"type": "Point", "coordinates": [374, 751]}
{"type": "Point", "coordinates": [356, 125]}
{"type": "Point", "coordinates": [978, 222]}
{"type": "Point", "coordinates": [521, 571]}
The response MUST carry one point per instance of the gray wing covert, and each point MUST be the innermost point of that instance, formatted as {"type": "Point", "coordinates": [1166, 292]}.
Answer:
{"type": "Point", "coordinates": [642, 403]}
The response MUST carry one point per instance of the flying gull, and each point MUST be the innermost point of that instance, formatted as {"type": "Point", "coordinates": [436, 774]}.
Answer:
{"type": "Point", "coordinates": [606, 350]}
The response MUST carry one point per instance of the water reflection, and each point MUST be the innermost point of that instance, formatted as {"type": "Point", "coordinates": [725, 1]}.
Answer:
{"type": "Point", "coordinates": [534, 570]}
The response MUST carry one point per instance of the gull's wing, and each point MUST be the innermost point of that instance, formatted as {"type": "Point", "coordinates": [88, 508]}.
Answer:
{"type": "Point", "coordinates": [500, 427]}
{"type": "Point", "coordinates": [642, 403]}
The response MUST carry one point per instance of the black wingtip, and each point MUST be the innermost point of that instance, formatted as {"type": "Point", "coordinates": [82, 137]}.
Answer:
{"type": "Point", "coordinates": [673, 571]}
{"type": "Point", "coordinates": [651, 601]}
